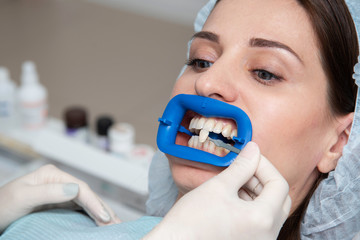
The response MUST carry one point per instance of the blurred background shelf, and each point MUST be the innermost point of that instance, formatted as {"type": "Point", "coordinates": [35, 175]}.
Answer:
{"type": "Point", "coordinates": [116, 57]}
{"type": "Point", "coordinates": [122, 182]}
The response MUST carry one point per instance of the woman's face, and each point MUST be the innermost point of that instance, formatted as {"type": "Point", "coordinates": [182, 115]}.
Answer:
{"type": "Point", "coordinates": [261, 56]}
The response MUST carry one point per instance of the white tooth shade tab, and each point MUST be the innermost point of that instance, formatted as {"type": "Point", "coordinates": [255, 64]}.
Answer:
{"type": "Point", "coordinates": [203, 135]}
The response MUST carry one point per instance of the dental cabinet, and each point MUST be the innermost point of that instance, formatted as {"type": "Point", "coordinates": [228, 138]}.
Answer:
{"type": "Point", "coordinates": [121, 183]}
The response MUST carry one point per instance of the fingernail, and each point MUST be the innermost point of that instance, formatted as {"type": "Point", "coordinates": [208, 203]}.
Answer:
{"type": "Point", "coordinates": [250, 149]}
{"type": "Point", "coordinates": [105, 216]}
{"type": "Point", "coordinates": [71, 189]}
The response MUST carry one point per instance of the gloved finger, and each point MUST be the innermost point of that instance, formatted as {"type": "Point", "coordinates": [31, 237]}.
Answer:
{"type": "Point", "coordinates": [86, 198]}
{"type": "Point", "coordinates": [100, 212]}
{"type": "Point", "coordinates": [39, 195]}
{"type": "Point", "coordinates": [254, 185]}
{"type": "Point", "coordinates": [114, 218]}
{"type": "Point", "coordinates": [242, 169]}
{"type": "Point", "coordinates": [286, 208]}
{"type": "Point", "coordinates": [275, 188]}
{"type": "Point", "coordinates": [50, 174]}
{"type": "Point", "coordinates": [244, 195]}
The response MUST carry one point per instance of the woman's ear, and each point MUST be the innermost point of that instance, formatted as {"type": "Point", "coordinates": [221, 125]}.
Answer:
{"type": "Point", "coordinates": [339, 140]}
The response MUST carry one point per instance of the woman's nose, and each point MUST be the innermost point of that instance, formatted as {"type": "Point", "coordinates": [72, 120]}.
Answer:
{"type": "Point", "coordinates": [216, 82]}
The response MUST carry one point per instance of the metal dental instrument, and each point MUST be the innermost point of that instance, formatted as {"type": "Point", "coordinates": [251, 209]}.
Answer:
{"type": "Point", "coordinates": [227, 146]}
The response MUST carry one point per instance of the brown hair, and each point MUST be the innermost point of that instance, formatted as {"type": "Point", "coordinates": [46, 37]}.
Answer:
{"type": "Point", "coordinates": [339, 49]}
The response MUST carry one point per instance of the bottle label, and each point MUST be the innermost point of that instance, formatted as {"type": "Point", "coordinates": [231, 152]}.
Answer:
{"type": "Point", "coordinates": [34, 114]}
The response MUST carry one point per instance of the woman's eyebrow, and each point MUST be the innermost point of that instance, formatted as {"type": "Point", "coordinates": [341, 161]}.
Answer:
{"type": "Point", "coordinates": [260, 42]}
{"type": "Point", "coordinates": [207, 35]}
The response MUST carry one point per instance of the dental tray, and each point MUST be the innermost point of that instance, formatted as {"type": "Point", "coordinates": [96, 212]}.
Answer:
{"type": "Point", "coordinates": [170, 126]}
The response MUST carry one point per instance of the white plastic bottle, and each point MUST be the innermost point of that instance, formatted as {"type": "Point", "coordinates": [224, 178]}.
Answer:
{"type": "Point", "coordinates": [7, 101]}
{"type": "Point", "coordinates": [32, 98]}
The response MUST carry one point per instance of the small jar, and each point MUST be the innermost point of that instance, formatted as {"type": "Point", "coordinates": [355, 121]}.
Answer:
{"type": "Point", "coordinates": [121, 137]}
{"type": "Point", "coordinates": [103, 124]}
{"type": "Point", "coordinates": [77, 124]}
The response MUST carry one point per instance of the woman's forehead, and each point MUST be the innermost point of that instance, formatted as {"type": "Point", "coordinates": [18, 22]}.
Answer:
{"type": "Point", "coordinates": [284, 21]}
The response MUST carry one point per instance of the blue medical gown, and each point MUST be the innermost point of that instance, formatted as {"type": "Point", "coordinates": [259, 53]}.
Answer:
{"type": "Point", "coordinates": [70, 225]}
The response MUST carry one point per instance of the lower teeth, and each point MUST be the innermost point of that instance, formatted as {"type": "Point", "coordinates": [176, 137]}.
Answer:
{"type": "Point", "coordinates": [207, 146]}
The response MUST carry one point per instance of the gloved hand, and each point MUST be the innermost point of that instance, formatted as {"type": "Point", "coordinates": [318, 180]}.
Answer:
{"type": "Point", "coordinates": [214, 210]}
{"type": "Point", "coordinates": [49, 185]}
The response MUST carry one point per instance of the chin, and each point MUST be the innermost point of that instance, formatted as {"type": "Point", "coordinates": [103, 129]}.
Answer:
{"type": "Point", "coordinates": [189, 174]}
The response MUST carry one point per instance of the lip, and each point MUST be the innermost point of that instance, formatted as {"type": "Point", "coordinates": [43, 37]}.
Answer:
{"type": "Point", "coordinates": [193, 164]}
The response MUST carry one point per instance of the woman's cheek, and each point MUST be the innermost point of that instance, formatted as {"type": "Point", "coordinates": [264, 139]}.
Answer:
{"type": "Point", "coordinates": [185, 84]}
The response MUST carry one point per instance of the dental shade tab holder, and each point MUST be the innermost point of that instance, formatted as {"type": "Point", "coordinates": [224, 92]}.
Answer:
{"type": "Point", "coordinates": [170, 125]}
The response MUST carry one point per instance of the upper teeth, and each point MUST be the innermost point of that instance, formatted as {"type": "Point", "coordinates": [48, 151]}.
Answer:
{"type": "Point", "coordinates": [203, 126]}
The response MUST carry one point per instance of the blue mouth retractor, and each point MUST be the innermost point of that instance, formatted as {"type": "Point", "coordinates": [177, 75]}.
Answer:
{"type": "Point", "coordinates": [170, 125]}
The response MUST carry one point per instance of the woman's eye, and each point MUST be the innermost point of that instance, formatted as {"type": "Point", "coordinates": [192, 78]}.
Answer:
{"type": "Point", "coordinates": [265, 76]}
{"type": "Point", "coordinates": [199, 63]}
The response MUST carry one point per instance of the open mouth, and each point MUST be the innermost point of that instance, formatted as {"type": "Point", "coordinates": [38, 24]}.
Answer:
{"type": "Point", "coordinates": [204, 130]}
